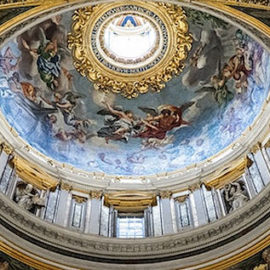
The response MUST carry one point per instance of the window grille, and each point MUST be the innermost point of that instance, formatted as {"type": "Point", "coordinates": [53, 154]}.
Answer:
{"type": "Point", "coordinates": [130, 226]}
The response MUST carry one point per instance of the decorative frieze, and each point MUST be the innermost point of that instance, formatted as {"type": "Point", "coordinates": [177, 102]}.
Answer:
{"type": "Point", "coordinates": [53, 234]}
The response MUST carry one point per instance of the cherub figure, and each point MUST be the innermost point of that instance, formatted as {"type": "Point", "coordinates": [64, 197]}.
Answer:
{"type": "Point", "coordinates": [238, 69]}
{"type": "Point", "coordinates": [162, 120]}
{"type": "Point", "coordinates": [66, 104]}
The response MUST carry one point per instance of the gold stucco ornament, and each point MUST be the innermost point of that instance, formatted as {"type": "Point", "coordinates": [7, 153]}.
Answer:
{"type": "Point", "coordinates": [129, 48]}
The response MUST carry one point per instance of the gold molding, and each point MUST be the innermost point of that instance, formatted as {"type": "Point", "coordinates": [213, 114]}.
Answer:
{"type": "Point", "coordinates": [225, 8]}
{"type": "Point", "coordinates": [130, 85]}
{"type": "Point", "coordinates": [20, 256]}
{"type": "Point", "coordinates": [33, 174]}
{"type": "Point", "coordinates": [79, 199]}
{"type": "Point", "coordinates": [24, 3]}
{"type": "Point", "coordinates": [220, 265]}
{"type": "Point", "coordinates": [233, 260]}
{"type": "Point", "coordinates": [130, 201]}
{"type": "Point", "coordinates": [229, 174]}
{"type": "Point", "coordinates": [257, 4]}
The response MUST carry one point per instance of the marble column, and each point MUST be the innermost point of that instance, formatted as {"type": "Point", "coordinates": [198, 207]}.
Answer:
{"type": "Point", "coordinates": [95, 213]}
{"type": "Point", "coordinates": [63, 211]}
{"type": "Point", "coordinates": [6, 185]}
{"type": "Point", "coordinates": [40, 211]}
{"type": "Point", "coordinates": [250, 188]}
{"type": "Point", "coordinates": [174, 216]}
{"type": "Point", "coordinates": [157, 219]}
{"type": "Point", "coordinates": [216, 203]}
{"type": "Point", "coordinates": [148, 222]}
{"type": "Point", "coordinates": [112, 221]}
{"type": "Point", "coordinates": [166, 213]}
{"type": "Point", "coordinates": [221, 203]}
{"type": "Point", "coordinates": [261, 163]}
{"type": "Point", "coordinates": [12, 185]}
{"type": "Point", "coordinates": [194, 214]}
{"type": "Point", "coordinates": [104, 222]}
{"type": "Point", "coordinates": [199, 205]}
{"type": "Point", "coordinates": [3, 162]}
{"type": "Point", "coordinates": [87, 216]}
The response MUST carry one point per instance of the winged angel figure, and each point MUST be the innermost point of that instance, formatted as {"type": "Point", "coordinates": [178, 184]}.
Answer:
{"type": "Point", "coordinates": [164, 119]}
{"type": "Point", "coordinates": [121, 125]}
{"type": "Point", "coordinates": [42, 46]}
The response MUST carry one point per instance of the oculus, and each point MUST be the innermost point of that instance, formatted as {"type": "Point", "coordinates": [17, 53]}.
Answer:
{"type": "Point", "coordinates": [130, 39]}
{"type": "Point", "coordinates": [129, 49]}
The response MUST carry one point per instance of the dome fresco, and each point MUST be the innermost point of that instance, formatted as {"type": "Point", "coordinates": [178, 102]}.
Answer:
{"type": "Point", "coordinates": [200, 112]}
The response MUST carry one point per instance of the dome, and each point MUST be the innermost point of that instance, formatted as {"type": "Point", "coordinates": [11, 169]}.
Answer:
{"type": "Point", "coordinates": [202, 110]}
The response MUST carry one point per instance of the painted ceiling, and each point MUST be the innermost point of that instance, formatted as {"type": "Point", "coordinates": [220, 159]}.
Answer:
{"type": "Point", "coordinates": [199, 113]}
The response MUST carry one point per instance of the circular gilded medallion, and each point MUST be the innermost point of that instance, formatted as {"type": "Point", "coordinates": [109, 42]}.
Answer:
{"type": "Point", "coordinates": [129, 49]}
